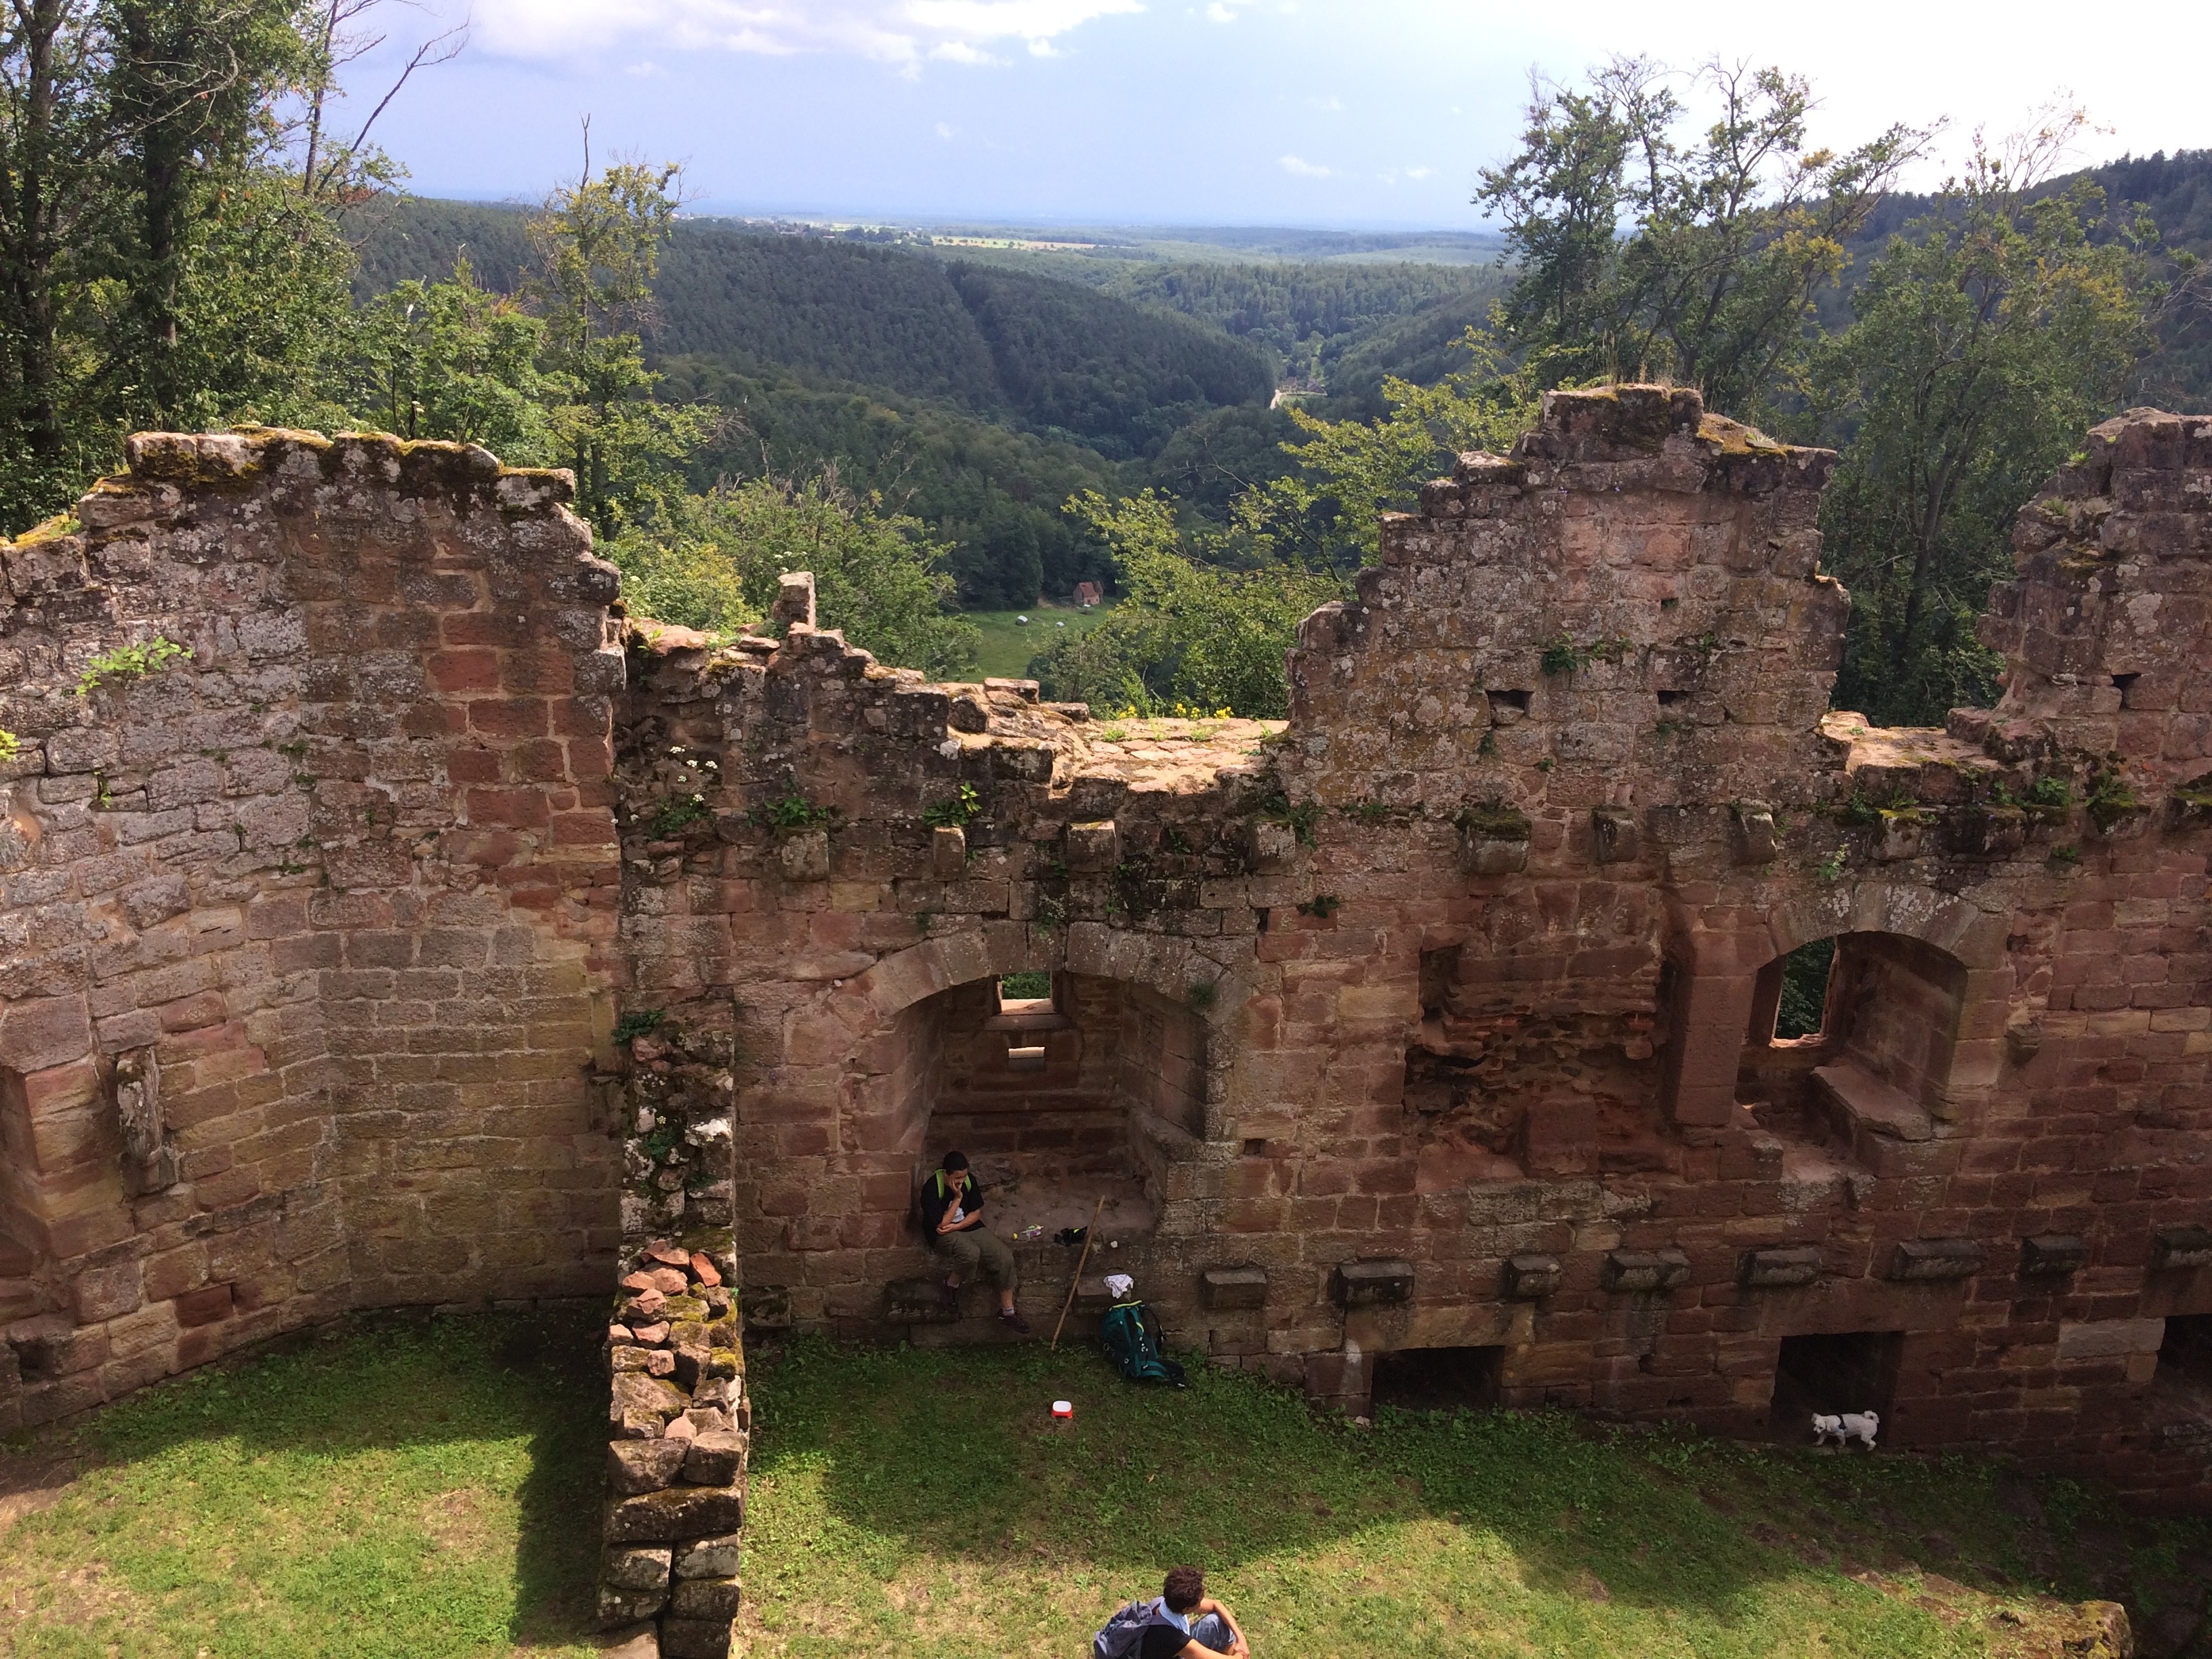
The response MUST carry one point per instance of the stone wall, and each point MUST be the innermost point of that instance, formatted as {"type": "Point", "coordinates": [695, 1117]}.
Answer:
{"type": "Point", "coordinates": [304, 959]}
{"type": "Point", "coordinates": [429, 931]}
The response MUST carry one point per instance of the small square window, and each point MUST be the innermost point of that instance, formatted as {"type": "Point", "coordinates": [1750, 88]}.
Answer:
{"type": "Point", "coordinates": [1026, 993]}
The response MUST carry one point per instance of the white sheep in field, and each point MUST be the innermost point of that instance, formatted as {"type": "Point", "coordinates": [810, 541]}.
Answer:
{"type": "Point", "coordinates": [1846, 1427]}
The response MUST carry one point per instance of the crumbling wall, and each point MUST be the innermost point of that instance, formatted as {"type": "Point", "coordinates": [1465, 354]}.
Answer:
{"type": "Point", "coordinates": [430, 931]}
{"type": "Point", "coordinates": [305, 908]}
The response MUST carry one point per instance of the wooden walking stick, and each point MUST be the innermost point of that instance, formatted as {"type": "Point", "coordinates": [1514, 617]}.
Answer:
{"type": "Point", "coordinates": [1088, 1233]}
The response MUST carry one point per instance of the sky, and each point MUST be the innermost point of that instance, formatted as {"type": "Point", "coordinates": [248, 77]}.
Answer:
{"type": "Point", "coordinates": [1343, 113]}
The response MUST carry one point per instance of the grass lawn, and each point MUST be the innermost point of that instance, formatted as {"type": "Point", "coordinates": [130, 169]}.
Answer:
{"type": "Point", "coordinates": [920, 1503]}
{"type": "Point", "coordinates": [427, 1489]}
{"type": "Point", "coordinates": [412, 1490]}
{"type": "Point", "coordinates": [1008, 646]}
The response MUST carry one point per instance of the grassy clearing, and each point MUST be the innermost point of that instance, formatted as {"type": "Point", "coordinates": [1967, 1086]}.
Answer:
{"type": "Point", "coordinates": [1007, 646]}
{"type": "Point", "coordinates": [430, 1490]}
{"type": "Point", "coordinates": [404, 1490]}
{"type": "Point", "coordinates": [920, 1504]}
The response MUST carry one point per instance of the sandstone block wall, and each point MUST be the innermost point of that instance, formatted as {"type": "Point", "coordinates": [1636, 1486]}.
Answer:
{"type": "Point", "coordinates": [431, 931]}
{"type": "Point", "coordinates": [303, 931]}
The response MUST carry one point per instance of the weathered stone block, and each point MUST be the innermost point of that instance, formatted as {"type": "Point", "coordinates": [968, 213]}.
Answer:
{"type": "Point", "coordinates": [1924, 1260]}
{"type": "Point", "coordinates": [1271, 845]}
{"type": "Point", "coordinates": [1374, 1283]}
{"type": "Point", "coordinates": [695, 1639]}
{"type": "Point", "coordinates": [1901, 836]}
{"type": "Point", "coordinates": [717, 1458]}
{"type": "Point", "coordinates": [635, 1391]}
{"type": "Point", "coordinates": [804, 855]}
{"type": "Point", "coordinates": [1779, 1265]}
{"type": "Point", "coordinates": [1614, 836]}
{"type": "Point", "coordinates": [681, 1512]}
{"type": "Point", "coordinates": [710, 1557]}
{"type": "Point", "coordinates": [705, 1598]}
{"type": "Point", "coordinates": [1482, 854]}
{"type": "Point", "coordinates": [1093, 848]}
{"type": "Point", "coordinates": [1981, 831]}
{"type": "Point", "coordinates": [637, 1569]}
{"type": "Point", "coordinates": [1644, 1270]}
{"type": "Point", "coordinates": [1243, 1286]}
{"type": "Point", "coordinates": [948, 853]}
{"type": "Point", "coordinates": [631, 1642]}
{"type": "Point", "coordinates": [641, 1466]}
{"type": "Point", "coordinates": [618, 1605]}
{"type": "Point", "coordinates": [919, 1301]}
{"type": "Point", "coordinates": [2050, 1254]}
{"type": "Point", "coordinates": [1751, 833]}
{"type": "Point", "coordinates": [2181, 1247]}
{"type": "Point", "coordinates": [1558, 1135]}
{"type": "Point", "coordinates": [1527, 1277]}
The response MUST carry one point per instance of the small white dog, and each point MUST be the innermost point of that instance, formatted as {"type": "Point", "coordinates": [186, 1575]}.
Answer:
{"type": "Point", "coordinates": [1850, 1425]}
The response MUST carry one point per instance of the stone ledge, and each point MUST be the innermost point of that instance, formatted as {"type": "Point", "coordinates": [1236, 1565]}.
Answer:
{"type": "Point", "coordinates": [1373, 1283]}
{"type": "Point", "coordinates": [1244, 1286]}
{"type": "Point", "coordinates": [1781, 1265]}
{"type": "Point", "coordinates": [1530, 1277]}
{"type": "Point", "coordinates": [1865, 1102]}
{"type": "Point", "coordinates": [1924, 1261]}
{"type": "Point", "coordinates": [1645, 1270]}
{"type": "Point", "coordinates": [2051, 1254]}
{"type": "Point", "coordinates": [2178, 1247]}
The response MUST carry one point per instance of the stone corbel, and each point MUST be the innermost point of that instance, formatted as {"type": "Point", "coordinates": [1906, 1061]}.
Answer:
{"type": "Point", "coordinates": [150, 1161]}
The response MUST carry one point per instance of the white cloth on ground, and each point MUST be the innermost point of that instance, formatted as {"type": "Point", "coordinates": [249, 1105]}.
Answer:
{"type": "Point", "coordinates": [1119, 1285]}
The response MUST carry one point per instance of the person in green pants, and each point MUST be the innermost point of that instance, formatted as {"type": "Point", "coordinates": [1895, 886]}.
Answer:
{"type": "Point", "coordinates": [952, 1209]}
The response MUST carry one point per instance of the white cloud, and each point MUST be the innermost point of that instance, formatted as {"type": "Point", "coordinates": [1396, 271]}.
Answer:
{"type": "Point", "coordinates": [1303, 169]}
{"type": "Point", "coordinates": [1331, 105]}
{"type": "Point", "coordinates": [1218, 13]}
{"type": "Point", "coordinates": [903, 31]}
{"type": "Point", "coordinates": [1418, 173]}
{"type": "Point", "coordinates": [944, 131]}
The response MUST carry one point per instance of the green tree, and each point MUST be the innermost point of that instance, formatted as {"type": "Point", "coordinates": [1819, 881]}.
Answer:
{"type": "Point", "coordinates": [599, 245]}
{"type": "Point", "coordinates": [1983, 341]}
{"type": "Point", "coordinates": [1327, 512]}
{"type": "Point", "coordinates": [1188, 632]}
{"type": "Point", "coordinates": [713, 562]}
{"type": "Point", "coordinates": [1729, 233]}
{"type": "Point", "coordinates": [448, 360]}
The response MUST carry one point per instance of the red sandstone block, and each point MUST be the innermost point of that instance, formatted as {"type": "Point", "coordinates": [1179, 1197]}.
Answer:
{"type": "Point", "coordinates": [452, 671]}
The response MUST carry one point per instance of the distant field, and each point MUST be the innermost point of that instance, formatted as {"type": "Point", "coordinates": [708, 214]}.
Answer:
{"type": "Point", "coordinates": [1009, 645]}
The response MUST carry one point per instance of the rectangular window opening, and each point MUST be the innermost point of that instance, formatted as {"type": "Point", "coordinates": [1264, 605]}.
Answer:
{"type": "Point", "coordinates": [1832, 1374]}
{"type": "Point", "coordinates": [1439, 1379]}
{"type": "Point", "coordinates": [1802, 1011]}
{"type": "Point", "coordinates": [1025, 1060]}
{"type": "Point", "coordinates": [1026, 993]}
{"type": "Point", "coordinates": [2187, 1352]}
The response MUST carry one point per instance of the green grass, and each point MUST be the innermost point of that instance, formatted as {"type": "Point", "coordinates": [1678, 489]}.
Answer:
{"type": "Point", "coordinates": [1007, 646]}
{"type": "Point", "coordinates": [431, 1488]}
{"type": "Point", "coordinates": [919, 1503]}
{"type": "Point", "coordinates": [412, 1490]}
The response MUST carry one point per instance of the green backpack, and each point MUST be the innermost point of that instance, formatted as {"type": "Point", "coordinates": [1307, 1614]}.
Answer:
{"type": "Point", "coordinates": [1132, 1336]}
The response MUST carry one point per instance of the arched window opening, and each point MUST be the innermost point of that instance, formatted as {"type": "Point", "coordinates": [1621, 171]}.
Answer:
{"type": "Point", "coordinates": [1086, 1089]}
{"type": "Point", "coordinates": [1854, 1034]}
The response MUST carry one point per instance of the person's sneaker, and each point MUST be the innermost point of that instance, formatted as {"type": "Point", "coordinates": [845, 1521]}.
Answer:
{"type": "Point", "coordinates": [1013, 1316]}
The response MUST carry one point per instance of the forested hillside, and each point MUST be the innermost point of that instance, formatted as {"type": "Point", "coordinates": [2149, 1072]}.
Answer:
{"type": "Point", "coordinates": [1050, 355]}
{"type": "Point", "coordinates": [2175, 190]}
{"type": "Point", "coordinates": [990, 492]}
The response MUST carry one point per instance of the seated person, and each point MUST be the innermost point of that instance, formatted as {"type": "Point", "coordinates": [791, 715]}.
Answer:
{"type": "Point", "coordinates": [1192, 1625]}
{"type": "Point", "coordinates": [951, 1208]}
